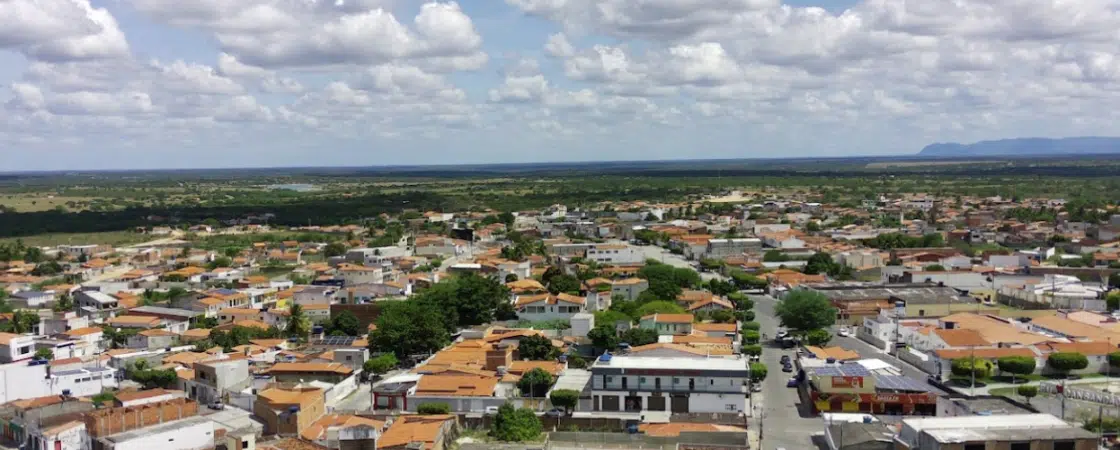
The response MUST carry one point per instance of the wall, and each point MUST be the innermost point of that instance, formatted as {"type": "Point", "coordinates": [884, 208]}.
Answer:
{"type": "Point", "coordinates": [863, 334]}
{"type": "Point", "coordinates": [19, 381]}
{"type": "Point", "coordinates": [187, 437]}
{"type": "Point", "coordinates": [106, 422]}
{"type": "Point", "coordinates": [342, 389]}
{"type": "Point", "coordinates": [919, 360]}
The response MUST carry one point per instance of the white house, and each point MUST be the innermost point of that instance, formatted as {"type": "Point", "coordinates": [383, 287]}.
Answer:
{"type": "Point", "coordinates": [16, 347]}
{"type": "Point", "coordinates": [354, 274]}
{"type": "Point", "coordinates": [673, 384]}
{"type": "Point", "coordinates": [32, 299]}
{"type": "Point", "coordinates": [549, 307]}
{"type": "Point", "coordinates": [615, 254]}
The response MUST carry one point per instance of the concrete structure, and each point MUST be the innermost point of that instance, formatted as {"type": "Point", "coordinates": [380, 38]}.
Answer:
{"type": "Point", "coordinates": [668, 324]}
{"type": "Point", "coordinates": [289, 411]}
{"type": "Point", "coordinates": [615, 254]}
{"type": "Point", "coordinates": [192, 433]}
{"type": "Point", "coordinates": [1011, 432]}
{"type": "Point", "coordinates": [678, 385]}
{"type": "Point", "coordinates": [212, 379]}
{"type": "Point", "coordinates": [629, 289]}
{"type": "Point", "coordinates": [16, 347]}
{"type": "Point", "coordinates": [549, 307]}
{"type": "Point", "coordinates": [722, 248]}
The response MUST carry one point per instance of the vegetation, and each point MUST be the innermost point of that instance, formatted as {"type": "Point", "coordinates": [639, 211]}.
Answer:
{"type": "Point", "coordinates": [343, 324]}
{"type": "Point", "coordinates": [409, 328]}
{"type": "Point", "coordinates": [433, 408]}
{"type": "Point", "coordinates": [1017, 365]}
{"type": "Point", "coordinates": [515, 424]}
{"type": "Point", "coordinates": [758, 371]}
{"type": "Point", "coordinates": [380, 365]}
{"type": "Point", "coordinates": [1066, 362]}
{"type": "Point", "coordinates": [803, 311]}
{"type": "Point", "coordinates": [564, 398]}
{"type": "Point", "coordinates": [971, 368]}
{"type": "Point", "coordinates": [1027, 391]}
{"type": "Point", "coordinates": [537, 348]}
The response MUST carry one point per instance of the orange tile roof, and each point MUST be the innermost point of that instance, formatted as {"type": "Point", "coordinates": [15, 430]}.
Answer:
{"type": "Point", "coordinates": [156, 333]}
{"type": "Point", "coordinates": [278, 397]}
{"type": "Point", "coordinates": [670, 318]}
{"type": "Point", "coordinates": [715, 327]}
{"type": "Point", "coordinates": [456, 386]}
{"type": "Point", "coordinates": [961, 337]}
{"type": "Point", "coordinates": [6, 338]}
{"type": "Point", "coordinates": [674, 429]}
{"type": "Point", "coordinates": [408, 429]}
{"type": "Point", "coordinates": [318, 430]}
{"type": "Point", "coordinates": [140, 395]}
{"type": "Point", "coordinates": [147, 321]}
{"type": "Point", "coordinates": [1097, 348]}
{"type": "Point", "coordinates": [837, 353]}
{"type": "Point", "coordinates": [668, 346]}
{"type": "Point", "coordinates": [521, 367]}
{"type": "Point", "coordinates": [287, 367]}
{"type": "Point", "coordinates": [197, 333]}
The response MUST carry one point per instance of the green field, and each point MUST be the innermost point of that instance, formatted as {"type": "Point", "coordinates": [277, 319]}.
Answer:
{"type": "Point", "coordinates": [114, 238]}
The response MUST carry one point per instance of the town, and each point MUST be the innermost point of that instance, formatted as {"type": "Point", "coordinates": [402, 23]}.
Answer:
{"type": "Point", "coordinates": [734, 319]}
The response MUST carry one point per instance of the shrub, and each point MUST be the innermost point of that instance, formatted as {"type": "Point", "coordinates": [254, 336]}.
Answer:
{"type": "Point", "coordinates": [433, 408]}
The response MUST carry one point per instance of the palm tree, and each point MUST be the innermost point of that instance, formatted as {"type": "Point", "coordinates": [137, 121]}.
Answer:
{"type": "Point", "coordinates": [299, 325]}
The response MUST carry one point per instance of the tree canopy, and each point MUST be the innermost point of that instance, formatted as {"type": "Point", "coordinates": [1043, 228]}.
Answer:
{"type": "Point", "coordinates": [515, 424]}
{"type": "Point", "coordinates": [536, 348]}
{"type": "Point", "coordinates": [409, 328]}
{"type": "Point", "coordinates": [468, 300]}
{"type": "Point", "coordinates": [535, 382]}
{"type": "Point", "coordinates": [804, 310]}
{"type": "Point", "coordinates": [666, 282]}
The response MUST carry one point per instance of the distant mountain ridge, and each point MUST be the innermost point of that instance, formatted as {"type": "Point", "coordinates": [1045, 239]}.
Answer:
{"type": "Point", "coordinates": [1027, 146]}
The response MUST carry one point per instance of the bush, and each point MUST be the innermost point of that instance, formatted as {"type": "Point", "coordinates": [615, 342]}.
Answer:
{"type": "Point", "coordinates": [751, 326]}
{"type": "Point", "coordinates": [745, 316]}
{"type": "Point", "coordinates": [1067, 361]}
{"type": "Point", "coordinates": [751, 337]}
{"type": "Point", "coordinates": [818, 337]}
{"type": "Point", "coordinates": [564, 398]}
{"type": "Point", "coordinates": [515, 425]}
{"type": "Point", "coordinates": [432, 408]}
{"type": "Point", "coordinates": [752, 350]}
{"type": "Point", "coordinates": [1016, 365]}
{"type": "Point", "coordinates": [969, 367]}
{"type": "Point", "coordinates": [1027, 392]}
{"type": "Point", "coordinates": [381, 364]}
{"type": "Point", "coordinates": [758, 371]}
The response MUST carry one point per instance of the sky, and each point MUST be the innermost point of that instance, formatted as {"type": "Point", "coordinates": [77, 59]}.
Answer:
{"type": "Point", "coordinates": [134, 84]}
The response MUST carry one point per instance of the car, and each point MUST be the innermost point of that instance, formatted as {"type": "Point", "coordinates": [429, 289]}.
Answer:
{"type": "Point", "coordinates": [555, 412]}
{"type": "Point", "coordinates": [787, 368]}
{"type": "Point", "coordinates": [216, 405]}
{"type": "Point", "coordinates": [491, 410]}
{"type": "Point", "coordinates": [757, 387]}
{"type": "Point", "coordinates": [785, 359]}
{"type": "Point", "coordinates": [791, 382]}
{"type": "Point", "coordinates": [844, 331]}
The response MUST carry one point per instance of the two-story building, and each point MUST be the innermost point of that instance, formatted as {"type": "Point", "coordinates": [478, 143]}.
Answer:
{"type": "Point", "coordinates": [549, 307]}
{"type": "Point", "coordinates": [212, 379]}
{"type": "Point", "coordinates": [668, 324]}
{"type": "Point", "coordinates": [675, 384]}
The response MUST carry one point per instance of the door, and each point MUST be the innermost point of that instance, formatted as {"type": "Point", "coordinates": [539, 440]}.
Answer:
{"type": "Point", "coordinates": [679, 404]}
{"type": "Point", "coordinates": [656, 403]}
{"type": "Point", "coordinates": [610, 403]}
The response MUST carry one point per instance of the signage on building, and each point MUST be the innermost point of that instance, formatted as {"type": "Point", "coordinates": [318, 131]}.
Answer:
{"type": "Point", "coordinates": [847, 382]}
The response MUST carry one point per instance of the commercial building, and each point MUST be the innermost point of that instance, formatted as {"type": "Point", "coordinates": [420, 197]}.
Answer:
{"type": "Point", "coordinates": [865, 386]}
{"type": "Point", "coordinates": [1011, 432]}
{"type": "Point", "coordinates": [722, 248]}
{"type": "Point", "coordinates": [675, 384]}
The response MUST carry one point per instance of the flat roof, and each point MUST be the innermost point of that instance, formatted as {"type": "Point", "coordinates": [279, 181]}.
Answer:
{"type": "Point", "coordinates": [166, 311]}
{"type": "Point", "coordinates": [157, 429]}
{"type": "Point", "coordinates": [647, 362]}
{"type": "Point", "coordinates": [574, 379]}
{"type": "Point", "coordinates": [1022, 433]}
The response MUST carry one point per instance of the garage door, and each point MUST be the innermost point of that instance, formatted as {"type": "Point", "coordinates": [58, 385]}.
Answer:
{"type": "Point", "coordinates": [680, 404]}
{"type": "Point", "coordinates": [610, 403]}
{"type": "Point", "coordinates": [656, 403]}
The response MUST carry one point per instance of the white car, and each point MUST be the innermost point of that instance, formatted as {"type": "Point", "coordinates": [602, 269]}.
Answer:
{"type": "Point", "coordinates": [844, 331]}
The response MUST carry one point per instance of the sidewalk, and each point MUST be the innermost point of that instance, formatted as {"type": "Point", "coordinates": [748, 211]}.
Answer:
{"type": "Point", "coordinates": [986, 389]}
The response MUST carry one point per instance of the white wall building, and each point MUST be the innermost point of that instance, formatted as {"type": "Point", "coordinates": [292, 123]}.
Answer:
{"type": "Point", "coordinates": [615, 254]}
{"type": "Point", "coordinates": [679, 385]}
{"type": "Point", "coordinates": [192, 433]}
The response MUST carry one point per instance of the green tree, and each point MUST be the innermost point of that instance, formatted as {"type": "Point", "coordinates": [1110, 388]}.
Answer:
{"type": "Point", "coordinates": [334, 249]}
{"type": "Point", "coordinates": [344, 324]}
{"type": "Point", "coordinates": [221, 261]}
{"type": "Point", "coordinates": [535, 382]}
{"type": "Point", "coordinates": [1113, 301]}
{"type": "Point", "coordinates": [818, 337]}
{"type": "Point", "coordinates": [563, 283]}
{"type": "Point", "coordinates": [515, 425]}
{"type": "Point", "coordinates": [433, 408]}
{"type": "Point", "coordinates": [971, 367]}
{"type": "Point", "coordinates": [1028, 392]}
{"type": "Point", "coordinates": [820, 263]}
{"type": "Point", "coordinates": [510, 278]}
{"type": "Point", "coordinates": [666, 282]}
{"type": "Point", "coordinates": [33, 255]}
{"type": "Point", "coordinates": [44, 353]}
{"type": "Point", "coordinates": [752, 350]}
{"type": "Point", "coordinates": [1019, 365]}
{"type": "Point", "coordinates": [536, 348]}
{"type": "Point", "coordinates": [205, 322]}
{"type": "Point", "coordinates": [804, 310]}
{"type": "Point", "coordinates": [639, 336]}
{"type": "Point", "coordinates": [658, 307]}
{"type": "Point", "coordinates": [23, 322]}
{"type": "Point", "coordinates": [935, 268]}
{"type": "Point", "coordinates": [609, 317]}
{"type": "Point", "coordinates": [758, 371]}
{"type": "Point", "coordinates": [775, 256]}
{"type": "Point", "coordinates": [603, 337]}
{"type": "Point", "coordinates": [409, 328]}
{"type": "Point", "coordinates": [751, 337]}
{"type": "Point", "coordinates": [380, 365]}
{"type": "Point", "coordinates": [751, 326]}
{"type": "Point", "coordinates": [564, 398]}
{"type": "Point", "coordinates": [1066, 362]}
{"type": "Point", "coordinates": [64, 303]}
{"type": "Point", "coordinates": [299, 325]}
{"type": "Point", "coordinates": [468, 300]}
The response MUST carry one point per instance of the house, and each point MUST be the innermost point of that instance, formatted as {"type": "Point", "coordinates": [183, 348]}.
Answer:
{"type": "Point", "coordinates": [174, 319]}
{"type": "Point", "coordinates": [668, 324]}
{"type": "Point", "coordinates": [1008, 431]}
{"type": "Point", "coordinates": [45, 422]}
{"type": "Point", "coordinates": [301, 372]}
{"type": "Point", "coordinates": [214, 378]}
{"type": "Point", "coordinates": [615, 254]}
{"type": "Point", "coordinates": [434, 432]}
{"type": "Point", "coordinates": [31, 299]}
{"type": "Point", "coordinates": [673, 384]}
{"type": "Point", "coordinates": [153, 338]}
{"type": "Point", "coordinates": [289, 411]}
{"type": "Point", "coordinates": [141, 322]}
{"type": "Point", "coordinates": [312, 295]}
{"type": "Point", "coordinates": [333, 429]}
{"type": "Point", "coordinates": [16, 347]}
{"type": "Point", "coordinates": [96, 305]}
{"type": "Point", "coordinates": [549, 307]}
{"type": "Point", "coordinates": [89, 337]}
{"type": "Point", "coordinates": [354, 274]}
{"type": "Point", "coordinates": [61, 322]}
{"type": "Point", "coordinates": [629, 288]}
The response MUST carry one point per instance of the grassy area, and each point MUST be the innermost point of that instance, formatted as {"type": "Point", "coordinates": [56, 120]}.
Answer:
{"type": "Point", "coordinates": [41, 202]}
{"type": "Point", "coordinates": [115, 238]}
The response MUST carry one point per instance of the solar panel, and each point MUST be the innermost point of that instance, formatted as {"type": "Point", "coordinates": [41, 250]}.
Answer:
{"type": "Point", "coordinates": [900, 383]}
{"type": "Point", "coordinates": [840, 370]}
{"type": "Point", "coordinates": [336, 341]}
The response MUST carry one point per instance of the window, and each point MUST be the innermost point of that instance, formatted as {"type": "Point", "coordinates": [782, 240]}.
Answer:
{"type": "Point", "coordinates": [676, 381]}
{"type": "Point", "coordinates": [642, 380]}
{"type": "Point", "coordinates": [1020, 446]}
{"type": "Point", "coordinates": [610, 379]}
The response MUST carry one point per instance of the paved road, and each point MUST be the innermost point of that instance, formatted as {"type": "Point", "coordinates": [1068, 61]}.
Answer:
{"type": "Point", "coordinates": [785, 422]}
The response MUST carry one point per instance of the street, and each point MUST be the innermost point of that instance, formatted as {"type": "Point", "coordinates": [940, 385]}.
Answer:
{"type": "Point", "coordinates": [784, 423]}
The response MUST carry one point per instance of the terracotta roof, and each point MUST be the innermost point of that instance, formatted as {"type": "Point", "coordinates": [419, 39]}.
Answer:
{"type": "Point", "coordinates": [197, 333]}
{"type": "Point", "coordinates": [287, 367]}
{"type": "Point", "coordinates": [83, 332]}
{"type": "Point", "coordinates": [837, 353]}
{"type": "Point", "coordinates": [961, 337]}
{"type": "Point", "coordinates": [156, 333]}
{"type": "Point", "coordinates": [6, 338]}
{"type": "Point", "coordinates": [1085, 348]}
{"type": "Point", "coordinates": [318, 430]}
{"type": "Point", "coordinates": [527, 284]}
{"type": "Point", "coordinates": [38, 402]}
{"type": "Point", "coordinates": [667, 346]}
{"type": "Point", "coordinates": [986, 353]}
{"type": "Point", "coordinates": [715, 327]}
{"type": "Point", "coordinates": [55, 430]}
{"type": "Point", "coordinates": [187, 374]}
{"type": "Point", "coordinates": [187, 359]}
{"type": "Point", "coordinates": [135, 320]}
{"type": "Point", "coordinates": [290, 444]}
{"type": "Point", "coordinates": [711, 301]}
{"type": "Point", "coordinates": [520, 367]}
{"type": "Point", "coordinates": [124, 397]}
{"type": "Point", "coordinates": [408, 429]}
{"type": "Point", "coordinates": [456, 386]}
{"type": "Point", "coordinates": [277, 397]}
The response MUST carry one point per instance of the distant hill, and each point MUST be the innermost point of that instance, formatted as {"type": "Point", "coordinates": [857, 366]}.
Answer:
{"type": "Point", "coordinates": [1027, 147]}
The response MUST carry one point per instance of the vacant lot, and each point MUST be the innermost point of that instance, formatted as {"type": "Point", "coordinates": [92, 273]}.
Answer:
{"type": "Point", "coordinates": [115, 238]}
{"type": "Point", "coordinates": [40, 202]}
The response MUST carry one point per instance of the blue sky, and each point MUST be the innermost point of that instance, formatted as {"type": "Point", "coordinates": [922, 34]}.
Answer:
{"type": "Point", "coordinates": [112, 84]}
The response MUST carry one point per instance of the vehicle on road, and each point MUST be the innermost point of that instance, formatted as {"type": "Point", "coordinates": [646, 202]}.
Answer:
{"type": "Point", "coordinates": [756, 387]}
{"type": "Point", "coordinates": [844, 331]}
{"type": "Point", "coordinates": [785, 359]}
{"type": "Point", "coordinates": [216, 405]}
{"type": "Point", "coordinates": [787, 367]}
{"type": "Point", "coordinates": [791, 382]}
{"type": "Point", "coordinates": [555, 412]}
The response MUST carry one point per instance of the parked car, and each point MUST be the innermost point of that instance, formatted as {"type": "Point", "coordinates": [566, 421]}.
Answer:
{"type": "Point", "coordinates": [555, 412]}
{"type": "Point", "coordinates": [844, 331]}
{"type": "Point", "coordinates": [216, 405]}
{"type": "Point", "coordinates": [787, 368]}
{"type": "Point", "coordinates": [785, 359]}
{"type": "Point", "coordinates": [491, 410]}
{"type": "Point", "coordinates": [757, 387]}
{"type": "Point", "coordinates": [792, 382]}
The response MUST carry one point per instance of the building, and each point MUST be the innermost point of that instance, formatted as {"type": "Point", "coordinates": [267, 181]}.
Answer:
{"type": "Point", "coordinates": [137, 398]}
{"type": "Point", "coordinates": [668, 324]}
{"type": "Point", "coordinates": [42, 421]}
{"type": "Point", "coordinates": [615, 254]}
{"type": "Point", "coordinates": [16, 347]}
{"type": "Point", "coordinates": [1011, 432]}
{"type": "Point", "coordinates": [867, 386]}
{"type": "Point", "coordinates": [678, 385]}
{"type": "Point", "coordinates": [192, 433]}
{"type": "Point", "coordinates": [31, 299]}
{"type": "Point", "coordinates": [289, 411]}
{"type": "Point", "coordinates": [212, 379]}
{"type": "Point", "coordinates": [542, 307]}
{"type": "Point", "coordinates": [354, 275]}
{"type": "Point", "coordinates": [722, 248]}
{"type": "Point", "coordinates": [96, 304]}
{"type": "Point", "coordinates": [302, 372]}
{"type": "Point", "coordinates": [153, 338]}
{"type": "Point", "coordinates": [628, 288]}
{"type": "Point", "coordinates": [433, 432]}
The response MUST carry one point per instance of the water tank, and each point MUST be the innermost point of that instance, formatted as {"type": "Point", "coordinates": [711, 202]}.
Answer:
{"type": "Point", "coordinates": [830, 360]}
{"type": "Point", "coordinates": [605, 358]}
{"type": "Point", "coordinates": [867, 419]}
{"type": "Point", "coordinates": [317, 329]}
{"type": "Point", "coordinates": [293, 409]}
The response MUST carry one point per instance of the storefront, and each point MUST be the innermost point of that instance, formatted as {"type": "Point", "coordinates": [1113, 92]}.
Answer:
{"type": "Point", "coordinates": [890, 404]}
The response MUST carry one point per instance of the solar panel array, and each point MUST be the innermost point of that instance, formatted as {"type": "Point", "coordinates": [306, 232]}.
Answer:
{"type": "Point", "coordinates": [840, 370]}
{"type": "Point", "coordinates": [343, 341]}
{"type": "Point", "coordinates": [900, 383]}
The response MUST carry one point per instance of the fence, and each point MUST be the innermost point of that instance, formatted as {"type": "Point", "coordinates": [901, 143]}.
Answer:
{"type": "Point", "coordinates": [1088, 395]}
{"type": "Point", "coordinates": [863, 335]}
{"type": "Point", "coordinates": [919, 360]}
{"type": "Point", "coordinates": [343, 388]}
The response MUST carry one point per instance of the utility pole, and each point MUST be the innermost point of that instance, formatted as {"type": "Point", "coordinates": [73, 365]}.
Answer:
{"type": "Point", "coordinates": [972, 373]}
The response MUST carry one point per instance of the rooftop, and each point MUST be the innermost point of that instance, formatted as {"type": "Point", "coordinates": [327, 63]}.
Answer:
{"type": "Point", "coordinates": [645, 362]}
{"type": "Point", "coordinates": [157, 429]}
